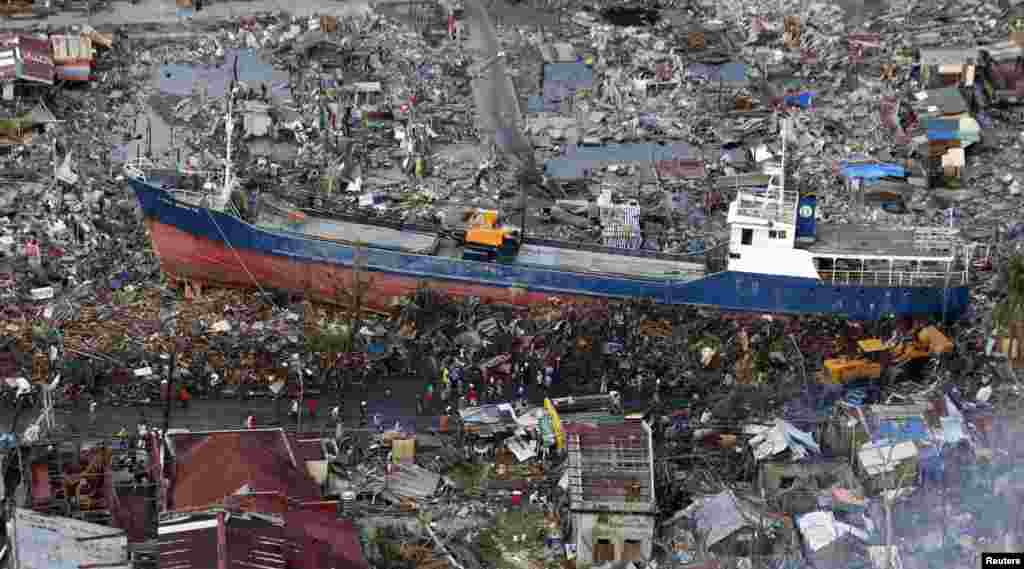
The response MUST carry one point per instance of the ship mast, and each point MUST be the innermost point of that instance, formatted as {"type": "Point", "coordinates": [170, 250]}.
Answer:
{"type": "Point", "coordinates": [229, 126]}
{"type": "Point", "coordinates": [782, 173]}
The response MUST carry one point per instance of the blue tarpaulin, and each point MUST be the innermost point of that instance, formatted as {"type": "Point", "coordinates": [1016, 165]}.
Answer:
{"type": "Point", "coordinates": [944, 129]}
{"type": "Point", "coordinates": [904, 429]}
{"type": "Point", "coordinates": [569, 72]}
{"type": "Point", "coordinates": [561, 80]}
{"type": "Point", "coordinates": [872, 170]}
{"type": "Point", "coordinates": [733, 73]}
{"type": "Point", "coordinates": [803, 100]}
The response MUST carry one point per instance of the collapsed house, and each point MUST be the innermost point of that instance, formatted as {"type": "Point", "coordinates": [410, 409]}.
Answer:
{"type": "Point", "coordinates": [610, 479]}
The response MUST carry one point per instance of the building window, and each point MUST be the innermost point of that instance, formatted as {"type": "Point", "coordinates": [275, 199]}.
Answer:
{"type": "Point", "coordinates": [631, 550]}
{"type": "Point", "coordinates": [604, 551]}
{"type": "Point", "coordinates": [747, 237]}
{"type": "Point", "coordinates": [776, 235]}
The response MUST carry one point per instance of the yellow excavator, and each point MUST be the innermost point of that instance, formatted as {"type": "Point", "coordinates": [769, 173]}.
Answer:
{"type": "Point", "coordinates": [487, 240]}
{"type": "Point", "coordinates": [874, 355]}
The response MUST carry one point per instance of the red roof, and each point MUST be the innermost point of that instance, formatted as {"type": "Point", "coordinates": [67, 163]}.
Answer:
{"type": "Point", "coordinates": [249, 541]}
{"type": "Point", "coordinates": [324, 540]}
{"type": "Point", "coordinates": [680, 168]}
{"type": "Point", "coordinates": [212, 466]}
{"type": "Point", "coordinates": [308, 540]}
{"type": "Point", "coordinates": [306, 446]}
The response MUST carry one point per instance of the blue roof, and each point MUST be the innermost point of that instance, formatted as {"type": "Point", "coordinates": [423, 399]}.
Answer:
{"type": "Point", "coordinates": [732, 73]}
{"type": "Point", "coordinates": [944, 129]}
{"type": "Point", "coordinates": [901, 430]}
{"type": "Point", "coordinates": [872, 170]}
{"type": "Point", "coordinates": [576, 159]}
{"type": "Point", "coordinates": [568, 72]}
{"type": "Point", "coordinates": [537, 104]}
{"type": "Point", "coordinates": [179, 79]}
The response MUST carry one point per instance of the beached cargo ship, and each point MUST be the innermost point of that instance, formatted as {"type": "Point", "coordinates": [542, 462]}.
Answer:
{"type": "Point", "coordinates": [779, 259]}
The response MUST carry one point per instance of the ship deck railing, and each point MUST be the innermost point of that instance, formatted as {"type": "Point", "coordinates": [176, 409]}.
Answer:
{"type": "Point", "coordinates": [428, 228]}
{"type": "Point", "coordinates": [937, 279]}
{"type": "Point", "coordinates": [767, 205]}
{"type": "Point", "coordinates": [937, 239]}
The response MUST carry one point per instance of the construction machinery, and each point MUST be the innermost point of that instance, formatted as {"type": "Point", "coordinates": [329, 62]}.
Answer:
{"type": "Point", "coordinates": [892, 358]}
{"type": "Point", "coordinates": [486, 240]}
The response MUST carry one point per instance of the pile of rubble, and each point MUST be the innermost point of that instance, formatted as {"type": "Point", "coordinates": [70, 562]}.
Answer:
{"type": "Point", "coordinates": [729, 439]}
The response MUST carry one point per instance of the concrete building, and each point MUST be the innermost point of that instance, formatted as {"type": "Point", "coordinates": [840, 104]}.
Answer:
{"type": "Point", "coordinates": [64, 543]}
{"type": "Point", "coordinates": [611, 491]}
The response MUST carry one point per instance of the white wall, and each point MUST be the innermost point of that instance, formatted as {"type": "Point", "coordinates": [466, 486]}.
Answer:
{"type": "Point", "coordinates": [586, 532]}
{"type": "Point", "coordinates": [769, 256]}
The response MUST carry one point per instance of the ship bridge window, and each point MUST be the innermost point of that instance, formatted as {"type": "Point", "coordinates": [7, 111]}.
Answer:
{"type": "Point", "coordinates": [747, 237]}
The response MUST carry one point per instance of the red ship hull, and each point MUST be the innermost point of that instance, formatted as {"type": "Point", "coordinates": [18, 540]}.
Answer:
{"type": "Point", "coordinates": [184, 256]}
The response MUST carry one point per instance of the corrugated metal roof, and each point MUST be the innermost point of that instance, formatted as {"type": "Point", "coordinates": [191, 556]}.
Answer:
{"type": "Point", "coordinates": [575, 160]}
{"type": "Point", "coordinates": [412, 481]}
{"type": "Point", "coordinates": [194, 546]}
{"type": "Point", "coordinates": [324, 540]}
{"type": "Point", "coordinates": [559, 52]}
{"type": "Point", "coordinates": [1003, 50]}
{"type": "Point", "coordinates": [681, 168]}
{"type": "Point", "coordinates": [212, 466]}
{"type": "Point", "coordinates": [948, 101]}
{"type": "Point", "coordinates": [568, 72]}
{"type": "Point", "coordinates": [948, 55]}
{"type": "Point", "coordinates": [731, 74]}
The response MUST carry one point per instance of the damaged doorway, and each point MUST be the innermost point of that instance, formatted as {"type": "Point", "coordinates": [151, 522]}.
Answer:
{"type": "Point", "coordinates": [604, 551]}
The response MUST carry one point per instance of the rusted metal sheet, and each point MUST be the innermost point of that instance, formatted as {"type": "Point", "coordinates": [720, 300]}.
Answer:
{"type": "Point", "coordinates": [32, 61]}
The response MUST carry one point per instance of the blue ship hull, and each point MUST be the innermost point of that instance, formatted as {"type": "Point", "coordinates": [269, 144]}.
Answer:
{"type": "Point", "coordinates": [207, 245]}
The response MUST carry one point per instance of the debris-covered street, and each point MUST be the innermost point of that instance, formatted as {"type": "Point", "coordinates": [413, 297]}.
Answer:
{"type": "Point", "coordinates": [482, 284]}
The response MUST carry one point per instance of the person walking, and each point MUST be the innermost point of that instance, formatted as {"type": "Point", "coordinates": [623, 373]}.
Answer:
{"type": "Point", "coordinates": [335, 413]}
{"type": "Point", "coordinates": [311, 404]}
{"type": "Point", "coordinates": [419, 405]}
{"type": "Point", "coordinates": [185, 397]}
{"type": "Point", "coordinates": [294, 413]}
{"type": "Point", "coordinates": [92, 413]}
{"type": "Point", "coordinates": [250, 421]}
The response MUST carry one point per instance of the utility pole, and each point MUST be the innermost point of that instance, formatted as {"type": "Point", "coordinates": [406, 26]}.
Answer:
{"type": "Point", "coordinates": [297, 366]}
{"type": "Point", "coordinates": [169, 323]}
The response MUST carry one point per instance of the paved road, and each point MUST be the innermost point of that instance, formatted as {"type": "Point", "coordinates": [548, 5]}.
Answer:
{"type": "Point", "coordinates": [231, 413]}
